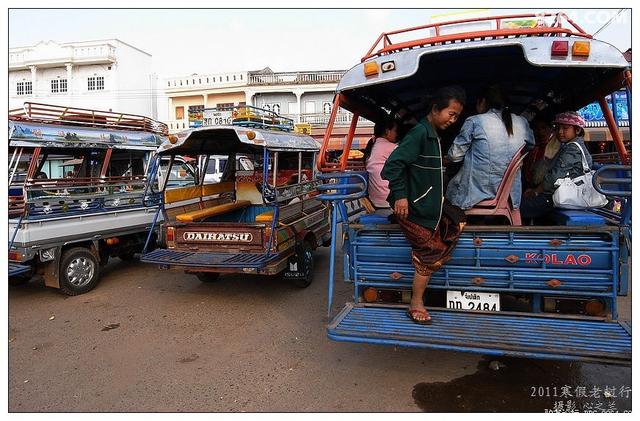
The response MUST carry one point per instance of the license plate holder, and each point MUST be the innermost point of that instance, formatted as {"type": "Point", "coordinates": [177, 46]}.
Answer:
{"type": "Point", "coordinates": [475, 301]}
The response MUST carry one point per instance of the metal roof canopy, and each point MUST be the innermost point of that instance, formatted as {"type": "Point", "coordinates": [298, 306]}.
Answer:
{"type": "Point", "coordinates": [523, 67]}
{"type": "Point", "coordinates": [224, 140]}
{"type": "Point", "coordinates": [30, 134]}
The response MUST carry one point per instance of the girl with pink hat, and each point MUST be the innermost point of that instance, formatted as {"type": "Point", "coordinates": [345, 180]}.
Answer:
{"type": "Point", "coordinates": [569, 127]}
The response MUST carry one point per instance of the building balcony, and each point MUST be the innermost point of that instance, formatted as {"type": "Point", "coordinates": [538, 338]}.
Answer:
{"type": "Point", "coordinates": [321, 120]}
{"type": "Point", "coordinates": [176, 126]}
{"type": "Point", "coordinates": [60, 55]}
{"type": "Point", "coordinates": [207, 81]}
{"type": "Point", "coordinates": [294, 78]}
{"type": "Point", "coordinates": [316, 120]}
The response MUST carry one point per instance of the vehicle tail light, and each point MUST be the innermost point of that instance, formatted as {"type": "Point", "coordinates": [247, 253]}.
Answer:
{"type": "Point", "coordinates": [581, 49]}
{"type": "Point", "coordinates": [113, 240]}
{"type": "Point", "coordinates": [370, 295]}
{"type": "Point", "coordinates": [371, 69]}
{"type": "Point", "coordinates": [15, 256]}
{"type": "Point", "coordinates": [171, 235]}
{"type": "Point", "coordinates": [560, 49]}
{"type": "Point", "coordinates": [594, 308]}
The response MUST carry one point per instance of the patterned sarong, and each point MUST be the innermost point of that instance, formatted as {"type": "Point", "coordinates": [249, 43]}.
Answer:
{"type": "Point", "coordinates": [431, 249]}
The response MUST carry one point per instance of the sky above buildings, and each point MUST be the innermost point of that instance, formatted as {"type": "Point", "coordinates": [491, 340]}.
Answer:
{"type": "Point", "coordinates": [188, 41]}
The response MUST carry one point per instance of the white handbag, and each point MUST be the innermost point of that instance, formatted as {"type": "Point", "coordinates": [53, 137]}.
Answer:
{"type": "Point", "coordinates": [578, 192]}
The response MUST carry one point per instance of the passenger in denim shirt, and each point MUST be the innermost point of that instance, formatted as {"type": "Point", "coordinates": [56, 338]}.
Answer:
{"type": "Point", "coordinates": [487, 143]}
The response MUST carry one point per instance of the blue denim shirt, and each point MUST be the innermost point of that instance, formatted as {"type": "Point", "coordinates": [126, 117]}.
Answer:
{"type": "Point", "coordinates": [487, 149]}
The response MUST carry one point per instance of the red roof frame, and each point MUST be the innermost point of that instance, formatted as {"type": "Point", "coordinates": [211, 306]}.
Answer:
{"type": "Point", "coordinates": [555, 29]}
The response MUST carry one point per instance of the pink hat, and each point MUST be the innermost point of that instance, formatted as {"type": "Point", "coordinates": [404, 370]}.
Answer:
{"type": "Point", "coordinates": [571, 118]}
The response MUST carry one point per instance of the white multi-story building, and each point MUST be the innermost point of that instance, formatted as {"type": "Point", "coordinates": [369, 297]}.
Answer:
{"type": "Point", "coordinates": [108, 75]}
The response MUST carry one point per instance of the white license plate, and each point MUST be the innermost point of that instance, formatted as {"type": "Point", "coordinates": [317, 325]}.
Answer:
{"type": "Point", "coordinates": [478, 301]}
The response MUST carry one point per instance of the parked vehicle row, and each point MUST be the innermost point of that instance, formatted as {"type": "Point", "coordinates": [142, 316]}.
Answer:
{"type": "Point", "coordinates": [86, 185]}
{"type": "Point", "coordinates": [254, 197]}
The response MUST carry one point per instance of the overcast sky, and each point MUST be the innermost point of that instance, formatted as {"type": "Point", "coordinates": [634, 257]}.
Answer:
{"type": "Point", "coordinates": [189, 41]}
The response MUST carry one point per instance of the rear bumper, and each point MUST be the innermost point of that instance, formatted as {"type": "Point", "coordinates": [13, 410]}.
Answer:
{"type": "Point", "coordinates": [500, 334]}
{"type": "Point", "coordinates": [258, 263]}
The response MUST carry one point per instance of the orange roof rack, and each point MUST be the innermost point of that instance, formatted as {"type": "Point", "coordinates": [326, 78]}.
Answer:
{"type": "Point", "coordinates": [555, 28]}
{"type": "Point", "coordinates": [57, 114]}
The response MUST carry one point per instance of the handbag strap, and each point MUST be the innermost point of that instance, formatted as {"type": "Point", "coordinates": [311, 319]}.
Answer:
{"type": "Point", "coordinates": [585, 164]}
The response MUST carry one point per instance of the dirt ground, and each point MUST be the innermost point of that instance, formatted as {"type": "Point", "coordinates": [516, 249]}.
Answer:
{"type": "Point", "coordinates": [150, 340]}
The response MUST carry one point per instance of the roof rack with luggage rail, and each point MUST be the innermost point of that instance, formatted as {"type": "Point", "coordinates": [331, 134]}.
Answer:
{"type": "Point", "coordinates": [58, 114]}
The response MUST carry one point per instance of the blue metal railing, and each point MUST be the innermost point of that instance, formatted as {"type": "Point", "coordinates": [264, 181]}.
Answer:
{"type": "Point", "coordinates": [337, 193]}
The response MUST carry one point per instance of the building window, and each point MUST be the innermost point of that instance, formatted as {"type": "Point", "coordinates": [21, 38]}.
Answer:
{"type": "Point", "coordinates": [275, 107]}
{"type": "Point", "coordinates": [207, 80]}
{"type": "Point", "coordinates": [234, 77]}
{"type": "Point", "coordinates": [326, 107]}
{"type": "Point", "coordinates": [227, 78]}
{"type": "Point", "coordinates": [179, 113]}
{"type": "Point", "coordinates": [95, 83]}
{"type": "Point", "coordinates": [24, 88]}
{"type": "Point", "coordinates": [240, 77]}
{"type": "Point", "coordinates": [58, 86]}
{"type": "Point", "coordinates": [224, 106]}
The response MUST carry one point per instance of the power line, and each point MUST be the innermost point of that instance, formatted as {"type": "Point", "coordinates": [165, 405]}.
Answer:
{"type": "Point", "coordinates": [609, 21]}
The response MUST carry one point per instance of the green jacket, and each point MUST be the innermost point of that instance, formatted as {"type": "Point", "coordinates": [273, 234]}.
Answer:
{"type": "Point", "coordinates": [414, 171]}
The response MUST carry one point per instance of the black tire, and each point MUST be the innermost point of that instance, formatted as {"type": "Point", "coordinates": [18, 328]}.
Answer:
{"type": "Point", "coordinates": [79, 271]}
{"type": "Point", "coordinates": [304, 258]}
{"type": "Point", "coordinates": [208, 277]}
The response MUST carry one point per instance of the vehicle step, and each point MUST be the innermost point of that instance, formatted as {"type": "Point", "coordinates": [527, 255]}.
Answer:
{"type": "Point", "coordinates": [203, 259]}
{"type": "Point", "coordinates": [16, 269]}
{"type": "Point", "coordinates": [499, 334]}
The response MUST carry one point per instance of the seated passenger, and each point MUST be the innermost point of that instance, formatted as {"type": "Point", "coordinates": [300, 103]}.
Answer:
{"type": "Point", "coordinates": [375, 155]}
{"type": "Point", "coordinates": [487, 143]}
{"type": "Point", "coordinates": [538, 202]}
{"type": "Point", "coordinates": [547, 146]}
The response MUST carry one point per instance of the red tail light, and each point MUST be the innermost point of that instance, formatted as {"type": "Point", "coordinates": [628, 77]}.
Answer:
{"type": "Point", "coordinates": [560, 49]}
{"type": "Point", "coordinates": [171, 235]}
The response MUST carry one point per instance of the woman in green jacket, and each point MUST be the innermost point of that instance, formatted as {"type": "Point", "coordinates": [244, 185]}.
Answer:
{"type": "Point", "coordinates": [414, 170]}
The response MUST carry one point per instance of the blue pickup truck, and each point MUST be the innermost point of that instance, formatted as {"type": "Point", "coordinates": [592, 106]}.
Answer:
{"type": "Point", "coordinates": [534, 291]}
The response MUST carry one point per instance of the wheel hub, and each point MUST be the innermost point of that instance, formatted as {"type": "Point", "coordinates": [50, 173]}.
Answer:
{"type": "Point", "coordinates": [80, 271]}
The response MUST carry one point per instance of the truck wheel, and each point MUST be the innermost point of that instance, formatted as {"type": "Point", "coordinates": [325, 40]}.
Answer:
{"type": "Point", "coordinates": [208, 277]}
{"type": "Point", "coordinates": [79, 271]}
{"type": "Point", "coordinates": [304, 259]}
